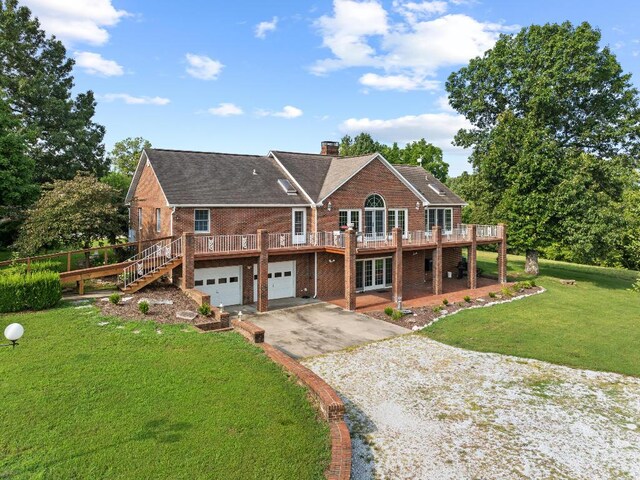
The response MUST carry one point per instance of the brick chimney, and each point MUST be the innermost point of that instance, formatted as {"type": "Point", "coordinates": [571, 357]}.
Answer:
{"type": "Point", "coordinates": [331, 149]}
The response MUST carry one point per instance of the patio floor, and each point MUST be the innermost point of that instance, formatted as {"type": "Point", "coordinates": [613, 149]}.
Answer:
{"type": "Point", "coordinates": [454, 290]}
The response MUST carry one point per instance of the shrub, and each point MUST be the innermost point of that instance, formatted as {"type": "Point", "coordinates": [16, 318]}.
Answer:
{"type": "Point", "coordinates": [35, 291]}
{"type": "Point", "coordinates": [143, 307]}
{"type": "Point", "coordinates": [445, 302]}
{"type": "Point", "coordinates": [467, 298]}
{"type": "Point", "coordinates": [437, 309]}
{"type": "Point", "coordinates": [204, 309]}
{"type": "Point", "coordinates": [636, 286]}
{"type": "Point", "coordinates": [492, 294]}
{"type": "Point", "coordinates": [506, 291]}
{"type": "Point", "coordinates": [397, 315]}
{"type": "Point", "coordinates": [388, 311]}
{"type": "Point", "coordinates": [35, 267]}
{"type": "Point", "coordinates": [115, 298]}
{"type": "Point", "coordinates": [532, 283]}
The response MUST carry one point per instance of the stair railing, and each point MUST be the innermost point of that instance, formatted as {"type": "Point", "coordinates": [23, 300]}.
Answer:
{"type": "Point", "coordinates": [156, 257]}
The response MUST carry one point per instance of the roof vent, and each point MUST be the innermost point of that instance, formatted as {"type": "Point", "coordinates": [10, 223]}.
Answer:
{"type": "Point", "coordinates": [287, 187]}
{"type": "Point", "coordinates": [438, 190]}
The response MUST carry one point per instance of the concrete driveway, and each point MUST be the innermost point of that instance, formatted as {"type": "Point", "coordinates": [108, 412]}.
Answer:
{"type": "Point", "coordinates": [320, 328]}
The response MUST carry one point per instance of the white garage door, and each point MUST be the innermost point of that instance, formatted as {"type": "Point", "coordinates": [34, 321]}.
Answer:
{"type": "Point", "coordinates": [224, 284]}
{"type": "Point", "coordinates": [282, 280]}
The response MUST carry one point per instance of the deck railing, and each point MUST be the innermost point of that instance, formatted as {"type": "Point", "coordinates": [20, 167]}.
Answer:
{"type": "Point", "coordinates": [226, 243]}
{"type": "Point", "coordinates": [372, 240]}
{"type": "Point", "coordinates": [458, 234]}
{"type": "Point", "coordinates": [157, 257]}
{"type": "Point", "coordinates": [488, 231]}
{"type": "Point", "coordinates": [419, 238]}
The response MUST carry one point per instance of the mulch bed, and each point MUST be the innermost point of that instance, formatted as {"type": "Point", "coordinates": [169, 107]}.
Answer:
{"type": "Point", "coordinates": [157, 313]}
{"type": "Point", "coordinates": [422, 316]}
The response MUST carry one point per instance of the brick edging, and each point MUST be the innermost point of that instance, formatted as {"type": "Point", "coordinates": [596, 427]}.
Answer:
{"type": "Point", "coordinates": [331, 406]}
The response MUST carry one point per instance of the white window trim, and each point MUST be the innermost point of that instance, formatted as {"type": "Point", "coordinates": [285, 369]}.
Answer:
{"type": "Point", "coordinates": [139, 219]}
{"type": "Point", "coordinates": [349, 215]}
{"type": "Point", "coordinates": [405, 234]}
{"type": "Point", "coordinates": [296, 238]}
{"type": "Point", "coordinates": [158, 220]}
{"type": "Point", "coordinates": [445, 232]}
{"type": "Point", "coordinates": [208, 220]}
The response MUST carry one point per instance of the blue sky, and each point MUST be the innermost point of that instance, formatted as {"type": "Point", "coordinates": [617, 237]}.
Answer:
{"type": "Point", "coordinates": [251, 76]}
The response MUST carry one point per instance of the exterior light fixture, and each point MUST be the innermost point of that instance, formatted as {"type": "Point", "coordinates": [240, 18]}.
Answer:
{"type": "Point", "coordinates": [240, 315]}
{"type": "Point", "coordinates": [417, 205]}
{"type": "Point", "coordinates": [221, 307]}
{"type": "Point", "coordinates": [329, 207]}
{"type": "Point", "coordinates": [13, 333]}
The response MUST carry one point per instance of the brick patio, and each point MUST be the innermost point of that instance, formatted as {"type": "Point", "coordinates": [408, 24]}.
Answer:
{"type": "Point", "coordinates": [454, 290]}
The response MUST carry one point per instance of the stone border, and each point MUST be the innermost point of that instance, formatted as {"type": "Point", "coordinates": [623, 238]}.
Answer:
{"type": "Point", "coordinates": [484, 305]}
{"type": "Point", "coordinates": [330, 405]}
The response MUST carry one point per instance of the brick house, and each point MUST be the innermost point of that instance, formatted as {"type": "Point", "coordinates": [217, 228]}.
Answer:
{"type": "Point", "coordinates": [248, 228]}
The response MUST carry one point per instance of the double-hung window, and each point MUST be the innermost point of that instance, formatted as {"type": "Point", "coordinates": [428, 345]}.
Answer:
{"type": "Point", "coordinates": [201, 220]}
{"type": "Point", "coordinates": [349, 217]}
{"type": "Point", "coordinates": [442, 217]}
{"type": "Point", "coordinates": [397, 217]}
{"type": "Point", "coordinates": [158, 220]}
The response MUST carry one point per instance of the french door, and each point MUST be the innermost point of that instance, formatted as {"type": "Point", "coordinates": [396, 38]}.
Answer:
{"type": "Point", "coordinates": [374, 223]}
{"type": "Point", "coordinates": [373, 273]}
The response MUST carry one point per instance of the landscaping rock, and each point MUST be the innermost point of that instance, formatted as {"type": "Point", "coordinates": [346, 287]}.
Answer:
{"type": "Point", "coordinates": [102, 324]}
{"type": "Point", "coordinates": [153, 301]}
{"type": "Point", "coordinates": [568, 282]}
{"type": "Point", "coordinates": [126, 299]}
{"type": "Point", "coordinates": [186, 315]}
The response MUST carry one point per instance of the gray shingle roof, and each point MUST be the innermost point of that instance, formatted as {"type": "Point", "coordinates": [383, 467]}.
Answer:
{"type": "Point", "coordinates": [421, 180]}
{"type": "Point", "coordinates": [320, 174]}
{"type": "Point", "coordinates": [199, 178]}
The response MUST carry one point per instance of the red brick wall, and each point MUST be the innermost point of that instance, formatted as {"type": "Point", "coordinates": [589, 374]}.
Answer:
{"type": "Point", "coordinates": [374, 178]}
{"type": "Point", "coordinates": [330, 275]}
{"type": "Point", "coordinates": [233, 221]}
{"type": "Point", "coordinates": [149, 196]}
{"type": "Point", "coordinates": [413, 273]}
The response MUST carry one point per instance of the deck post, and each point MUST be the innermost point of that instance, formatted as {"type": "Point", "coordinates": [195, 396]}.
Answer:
{"type": "Point", "coordinates": [502, 253]}
{"type": "Point", "coordinates": [68, 261]}
{"type": "Point", "coordinates": [437, 260]}
{"type": "Point", "coordinates": [472, 261]}
{"type": "Point", "coordinates": [350, 244]}
{"type": "Point", "coordinates": [263, 271]}
{"type": "Point", "coordinates": [188, 263]}
{"type": "Point", "coordinates": [397, 267]}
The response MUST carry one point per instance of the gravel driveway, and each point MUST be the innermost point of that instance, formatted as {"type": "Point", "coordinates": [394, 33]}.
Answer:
{"type": "Point", "coordinates": [419, 409]}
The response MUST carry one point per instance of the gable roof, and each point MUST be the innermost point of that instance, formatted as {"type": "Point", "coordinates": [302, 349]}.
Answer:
{"type": "Point", "coordinates": [423, 180]}
{"type": "Point", "coordinates": [319, 175]}
{"type": "Point", "coordinates": [200, 178]}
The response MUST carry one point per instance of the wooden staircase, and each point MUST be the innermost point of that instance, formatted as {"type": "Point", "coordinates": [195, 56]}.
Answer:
{"type": "Point", "coordinates": [152, 276]}
{"type": "Point", "coordinates": [149, 265]}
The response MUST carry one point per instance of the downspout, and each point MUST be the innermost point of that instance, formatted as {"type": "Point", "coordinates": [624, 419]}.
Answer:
{"type": "Point", "coordinates": [173, 210]}
{"type": "Point", "coordinates": [315, 275]}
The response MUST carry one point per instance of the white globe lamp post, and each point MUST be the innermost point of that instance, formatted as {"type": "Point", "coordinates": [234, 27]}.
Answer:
{"type": "Point", "coordinates": [13, 333]}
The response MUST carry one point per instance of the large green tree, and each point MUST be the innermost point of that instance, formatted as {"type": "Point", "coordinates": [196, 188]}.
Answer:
{"type": "Point", "coordinates": [428, 154]}
{"type": "Point", "coordinates": [36, 81]}
{"type": "Point", "coordinates": [72, 214]}
{"type": "Point", "coordinates": [125, 154]}
{"type": "Point", "coordinates": [555, 128]}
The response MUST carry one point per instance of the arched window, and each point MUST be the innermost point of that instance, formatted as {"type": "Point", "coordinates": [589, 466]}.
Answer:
{"type": "Point", "coordinates": [374, 201]}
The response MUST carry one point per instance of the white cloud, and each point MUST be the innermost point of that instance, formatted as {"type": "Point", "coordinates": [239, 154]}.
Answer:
{"type": "Point", "coordinates": [265, 27]}
{"type": "Point", "coordinates": [397, 82]}
{"type": "Point", "coordinates": [76, 21]}
{"type": "Point", "coordinates": [203, 67]}
{"type": "Point", "coordinates": [131, 100]}
{"type": "Point", "coordinates": [443, 104]}
{"type": "Point", "coordinates": [95, 64]}
{"type": "Point", "coordinates": [287, 112]}
{"type": "Point", "coordinates": [226, 110]}
{"type": "Point", "coordinates": [347, 31]}
{"type": "Point", "coordinates": [437, 128]}
{"type": "Point", "coordinates": [409, 49]}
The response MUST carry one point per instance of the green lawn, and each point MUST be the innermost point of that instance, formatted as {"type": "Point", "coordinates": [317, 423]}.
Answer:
{"type": "Point", "coordinates": [594, 324]}
{"type": "Point", "coordinates": [78, 400]}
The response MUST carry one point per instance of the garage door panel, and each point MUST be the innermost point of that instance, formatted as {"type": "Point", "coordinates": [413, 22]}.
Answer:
{"type": "Point", "coordinates": [223, 284]}
{"type": "Point", "coordinates": [281, 278]}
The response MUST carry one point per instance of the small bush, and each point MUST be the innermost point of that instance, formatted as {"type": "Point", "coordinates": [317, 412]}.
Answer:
{"type": "Point", "coordinates": [204, 309]}
{"type": "Point", "coordinates": [143, 307]}
{"type": "Point", "coordinates": [532, 283]}
{"type": "Point", "coordinates": [397, 315]}
{"type": "Point", "coordinates": [437, 309]}
{"type": "Point", "coordinates": [35, 267]}
{"type": "Point", "coordinates": [445, 302]}
{"type": "Point", "coordinates": [115, 298]}
{"type": "Point", "coordinates": [506, 292]}
{"type": "Point", "coordinates": [636, 286]}
{"type": "Point", "coordinates": [492, 294]}
{"type": "Point", "coordinates": [467, 298]}
{"type": "Point", "coordinates": [35, 291]}
{"type": "Point", "coordinates": [388, 311]}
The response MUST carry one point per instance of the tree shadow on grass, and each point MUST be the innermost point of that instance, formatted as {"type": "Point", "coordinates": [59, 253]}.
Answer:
{"type": "Point", "coordinates": [160, 430]}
